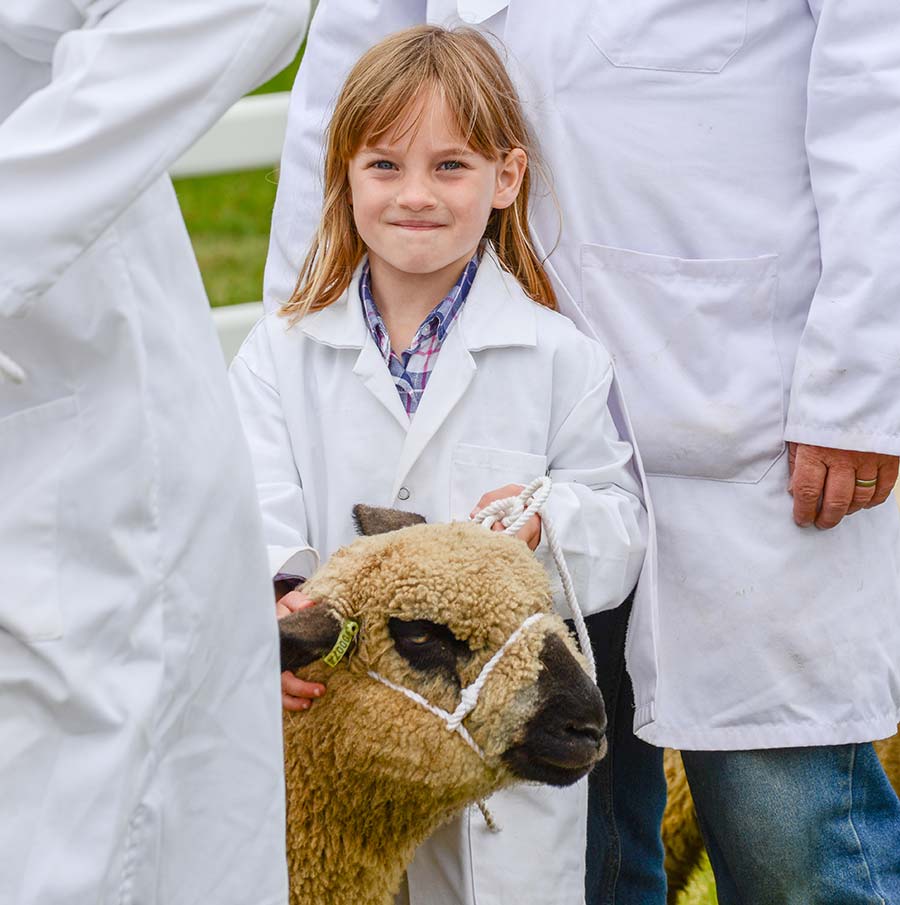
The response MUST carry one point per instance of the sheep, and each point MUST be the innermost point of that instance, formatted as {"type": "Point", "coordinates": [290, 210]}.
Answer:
{"type": "Point", "coordinates": [681, 831]}
{"type": "Point", "coordinates": [370, 773]}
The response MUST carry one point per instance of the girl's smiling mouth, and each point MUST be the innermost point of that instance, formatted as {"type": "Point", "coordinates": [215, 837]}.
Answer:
{"type": "Point", "coordinates": [416, 224]}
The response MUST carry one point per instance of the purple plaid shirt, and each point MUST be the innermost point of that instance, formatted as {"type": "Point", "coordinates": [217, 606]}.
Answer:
{"type": "Point", "coordinates": [412, 368]}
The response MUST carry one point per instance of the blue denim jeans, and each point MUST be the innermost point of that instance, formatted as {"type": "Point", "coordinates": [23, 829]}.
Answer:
{"type": "Point", "coordinates": [626, 790]}
{"type": "Point", "coordinates": [798, 826]}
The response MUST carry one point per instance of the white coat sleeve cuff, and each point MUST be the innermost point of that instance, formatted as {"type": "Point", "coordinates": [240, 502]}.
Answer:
{"type": "Point", "coordinates": [293, 561]}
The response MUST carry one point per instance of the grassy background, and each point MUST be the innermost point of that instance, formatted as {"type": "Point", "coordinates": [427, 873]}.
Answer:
{"type": "Point", "coordinates": [228, 218]}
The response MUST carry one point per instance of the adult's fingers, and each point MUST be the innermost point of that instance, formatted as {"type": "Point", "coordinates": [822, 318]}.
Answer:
{"type": "Point", "coordinates": [887, 478]}
{"type": "Point", "coordinates": [862, 495]}
{"type": "Point", "coordinates": [807, 484]}
{"type": "Point", "coordinates": [837, 496]}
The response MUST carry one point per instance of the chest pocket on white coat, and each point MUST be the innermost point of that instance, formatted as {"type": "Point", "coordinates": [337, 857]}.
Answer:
{"type": "Point", "coordinates": [474, 470]}
{"type": "Point", "coordinates": [34, 443]}
{"type": "Point", "coordinates": [675, 35]}
{"type": "Point", "coordinates": [695, 353]}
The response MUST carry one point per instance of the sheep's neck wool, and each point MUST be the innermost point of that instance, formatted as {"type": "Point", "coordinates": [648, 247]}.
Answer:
{"type": "Point", "coordinates": [350, 839]}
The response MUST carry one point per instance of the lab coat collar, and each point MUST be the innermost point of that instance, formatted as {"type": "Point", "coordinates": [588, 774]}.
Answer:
{"type": "Point", "coordinates": [496, 314]}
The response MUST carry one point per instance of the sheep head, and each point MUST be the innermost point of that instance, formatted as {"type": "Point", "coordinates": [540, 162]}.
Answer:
{"type": "Point", "coordinates": [433, 604]}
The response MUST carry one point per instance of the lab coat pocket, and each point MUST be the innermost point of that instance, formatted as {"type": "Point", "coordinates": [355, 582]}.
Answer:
{"type": "Point", "coordinates": [695, 353]}
{"type": "Point", "coordinates": [35, 443]}
{"type": "Point", "coordinates": [674, 35]}
{"type": "Point", "coordinates": [475, 470]}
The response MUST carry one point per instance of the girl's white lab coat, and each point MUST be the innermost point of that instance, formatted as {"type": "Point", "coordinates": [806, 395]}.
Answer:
{"type": "Point", "coordinates": [140, 760]}
{"type": "Point", "coordinates": [516, 392]}
{"type": "Point", "coordinates": [727, 176]}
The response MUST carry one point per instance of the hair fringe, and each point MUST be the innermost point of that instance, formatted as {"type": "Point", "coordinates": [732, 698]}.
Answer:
{"type": "Point", "coordinates": [380, 90]}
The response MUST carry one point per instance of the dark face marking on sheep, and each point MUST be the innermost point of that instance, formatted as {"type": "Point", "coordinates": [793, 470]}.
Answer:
{"type": "Point", "coordinates": [429, 646]}
{"type": "Point", "coordinates": [307, 635]}
{"type": "Point", "coordinates": [565, 737]}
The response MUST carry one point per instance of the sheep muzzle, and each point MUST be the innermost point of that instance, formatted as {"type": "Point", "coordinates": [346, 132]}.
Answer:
{"type": "Point", "coordinates": [565, 737]}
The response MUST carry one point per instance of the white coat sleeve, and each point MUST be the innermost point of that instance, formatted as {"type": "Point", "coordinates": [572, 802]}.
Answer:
{"type": "Point", "coordinates": [595, 505]}
{"type": "Point", "coordinates": [278, 484]}
{"type": "Point", "coordinates": [847, 372]}
{"type": "Point", "coordinates": [341, 31]}
{"type": "Point", "coordinates": [131, 90]}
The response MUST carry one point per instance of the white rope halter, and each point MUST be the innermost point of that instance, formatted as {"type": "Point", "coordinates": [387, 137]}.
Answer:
{"type": "Point", "coordinates": [512, 512]}
{"type": "Point", "coordinates": [468, 697]}
{"type": "Point", "coordinates": [10, 370]}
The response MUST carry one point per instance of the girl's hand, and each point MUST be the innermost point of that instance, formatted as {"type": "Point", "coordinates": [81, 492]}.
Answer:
{"type": "Point", "coordinates": [296, 694]}
{"type": "Point", "coordinates": [530, 532]}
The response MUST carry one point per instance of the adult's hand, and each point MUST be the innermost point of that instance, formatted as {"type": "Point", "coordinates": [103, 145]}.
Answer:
{"type": "Point", "coordinates": [823, 482]}
{"type": "Point", "coordinates": [296, 693]}
{"type": "Point", "coordinates": [530, 532]}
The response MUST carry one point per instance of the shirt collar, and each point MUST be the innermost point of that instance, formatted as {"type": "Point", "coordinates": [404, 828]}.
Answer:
{"type": "Point", "coordinates": [439, 319]}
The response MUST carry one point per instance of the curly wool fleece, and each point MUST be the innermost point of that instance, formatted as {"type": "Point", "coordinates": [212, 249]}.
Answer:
{"type": "Point", "coordinates": [371, 774]}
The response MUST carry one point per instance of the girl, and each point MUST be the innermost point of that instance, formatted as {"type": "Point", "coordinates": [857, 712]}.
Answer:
{"type": "Point", "coordinates": [420, 365]}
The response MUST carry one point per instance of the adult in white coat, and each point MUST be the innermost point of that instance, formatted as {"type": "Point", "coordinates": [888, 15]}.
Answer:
{"type": "Point", "coordinates": [141, 757]}
{"type": "Point", "coordinates": [727, 176]}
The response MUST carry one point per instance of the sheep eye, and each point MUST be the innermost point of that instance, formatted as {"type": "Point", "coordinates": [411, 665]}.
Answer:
{"type": "Point", "coordinates": [419, 639]}
{"type": "Point", "coordinates": [428, 646]}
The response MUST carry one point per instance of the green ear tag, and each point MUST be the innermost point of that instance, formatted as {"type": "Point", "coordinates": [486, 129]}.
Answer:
{"type": "Point", "coordinates": [349, 631]}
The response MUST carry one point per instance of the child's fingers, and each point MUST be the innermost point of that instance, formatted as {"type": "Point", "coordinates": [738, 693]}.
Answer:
{"type": "Point", "coordinates": [295, 705]}
{"type": "Point", "coordinates": [501, 493]}
{"type": "Point", "coordinates": [291, 603]}
{"type": "Point", "coordinates": [297, 694]}
{"type": "Point", "coordinates": [300, 688]}
{"type": "Point", "coordinates": [530, 532]}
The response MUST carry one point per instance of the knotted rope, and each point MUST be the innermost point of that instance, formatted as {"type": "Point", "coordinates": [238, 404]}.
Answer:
{"type": "Point", "coordinates": [513, 512]}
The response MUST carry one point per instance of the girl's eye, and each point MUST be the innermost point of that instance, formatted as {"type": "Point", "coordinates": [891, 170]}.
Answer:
{"type": "Point", "coordinates": [382, 165]}
{"type": "Point", "coordinates": [451, 165]}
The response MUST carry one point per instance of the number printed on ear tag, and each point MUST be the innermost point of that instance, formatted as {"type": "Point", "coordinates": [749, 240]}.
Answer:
{"type": "Point", "coordinates": [349, 631]}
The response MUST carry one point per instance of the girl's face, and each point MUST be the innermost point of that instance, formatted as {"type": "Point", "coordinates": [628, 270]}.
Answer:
{"type": "Point", "coordinates": [421, 199]}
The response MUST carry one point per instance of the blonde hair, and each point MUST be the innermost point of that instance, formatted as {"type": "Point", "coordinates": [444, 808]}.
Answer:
{"type": "Point", "coordinates": [382, 88]}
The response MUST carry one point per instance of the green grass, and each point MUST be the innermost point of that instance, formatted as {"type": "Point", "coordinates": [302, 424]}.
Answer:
{"type": "Point", "coordinates": [228, 219]}
{"type": "Point", "coordinates": [702, 888]}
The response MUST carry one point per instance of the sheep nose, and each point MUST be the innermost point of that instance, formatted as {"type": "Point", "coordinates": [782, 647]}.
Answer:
{"type": "Point", "coordinates": [590, 732]}
{"type": "Point", "coordinates": [566, 735]}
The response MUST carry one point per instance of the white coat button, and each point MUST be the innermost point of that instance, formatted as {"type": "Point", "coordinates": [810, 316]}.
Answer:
{"type": "Point", "coordinates": [403, 494]}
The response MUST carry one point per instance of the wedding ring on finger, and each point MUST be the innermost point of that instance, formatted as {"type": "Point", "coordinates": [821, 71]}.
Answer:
{"type": "Point", "coordinates": [866, 482]}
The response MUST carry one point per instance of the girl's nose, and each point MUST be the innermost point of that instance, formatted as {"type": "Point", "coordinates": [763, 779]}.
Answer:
{"type": "Point", "coordinates": [415, 195]}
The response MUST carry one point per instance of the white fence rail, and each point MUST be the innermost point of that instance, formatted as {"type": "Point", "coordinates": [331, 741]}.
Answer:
{"type": "Point", "coordinates": [248, 137]}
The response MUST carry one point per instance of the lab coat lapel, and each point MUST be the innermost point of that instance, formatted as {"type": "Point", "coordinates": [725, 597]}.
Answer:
{"type": "Point", "coordinates": [342, 326]}
{"type": "Point", "coordinates": [452, 374]}
{"type": "Point", "coordinates": [496, 314]}
{"type": "Point", "coordinates": [372, 370]}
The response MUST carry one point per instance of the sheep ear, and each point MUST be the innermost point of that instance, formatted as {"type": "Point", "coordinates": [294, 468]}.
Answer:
{"type": "Point", "coordinates": [377, 520]}
{"type": "Point", "coordinates": [308, 635]}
